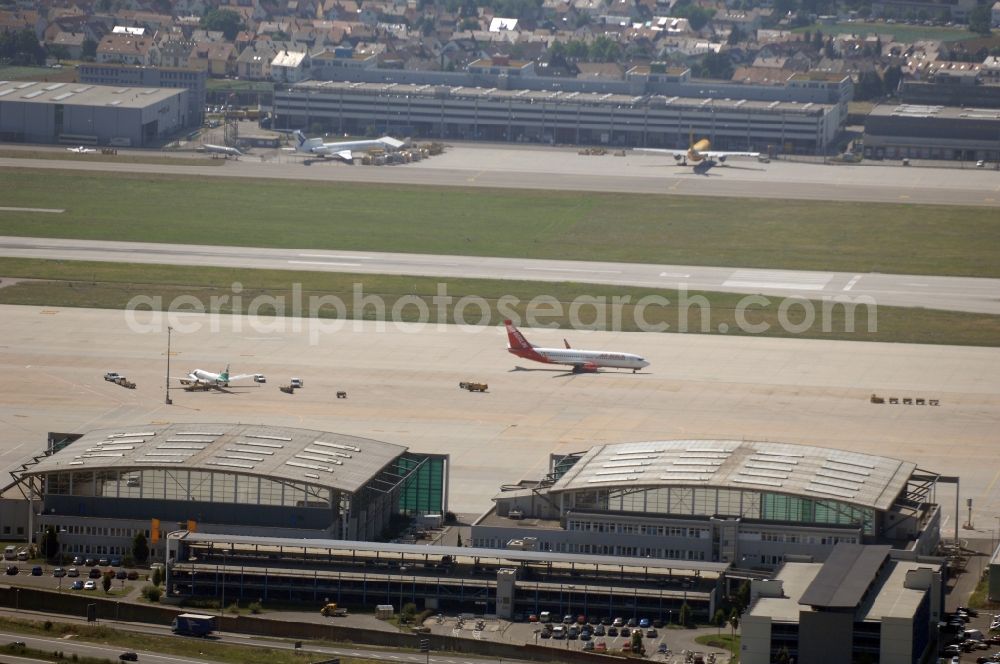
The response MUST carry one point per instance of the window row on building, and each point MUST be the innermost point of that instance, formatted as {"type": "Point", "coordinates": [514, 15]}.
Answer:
{"type": "Point", "coordinates": [187, 485]}
{"type": "Point", "coordinates": [709, 501]}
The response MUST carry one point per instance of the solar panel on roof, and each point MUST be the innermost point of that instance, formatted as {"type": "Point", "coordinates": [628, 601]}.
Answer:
{"type": "Point", "coordinates": [311, 466]}
{"type": "Point", "coordinates": [769, 466]}
{"type": "Point", "coordinates": [198, 433]}
{"type": "Point", "coordinates": [620, 472]}
{"type": "Point", "coordinates": [849, 462]}
{"type": "Point", "coordinates": [130, 435]}
{"type": "Point", "coordinates": [260, 435]}
{"type": "Point", "coordinates": [697, 462]}
{"type": "Point", "coordinates": [685, 478]}
{"type": "Point", "coordinates": [245, 457]}
{"type": "Point", "coordinates": [54, 86]}
{"type": "Point", "coordinates": [853, 470]}
{"type": "Point", "coordinates": [769, 459]}
{"type": "Point", "coordinates": [710, 470]}
{"type": "Point", "coordinates": [756, 480]}
{"type": "Point", "coordinates": [229, 464]}
{"type": "Point", "coordinates": [324, 452]}
{"type": "Point", "coordinates": [190, 440]}
{"type": "Point", "coordinates": [159, 460]}
{"type": "Point", "coordinates": [64, 95]}
{"type": "Point", "coordinates": [836, 483]}
{"type": "Point", "coordinates": [839, 476]}
{"type": "Point", "coordinates": [32, 95]}
{"type": "Point", "coordinates": [610, 479]}
{"type": "Point", "coordinates": [6, 92]}
{"type": "Point", "coordinates": [765, 473]}
{"type": "Point", "coordinates": [250, 451]}
{"type": "Point", "coordinates": [313, 457]}
{"type": "Point", "coordinates": [169, 454]}
{"type": "Point", "coordinates": [625, 464]}
{"type": "Point", "coordinates": [181, 447]}
{"type": "Point", "coordinates": [781, 454]}
{"type": "Point", "coordinates": [350, 448]}
{"type": "Point", "coordinates": [260, 444]}
{"type": "Point", "coordinates": [831, 491]}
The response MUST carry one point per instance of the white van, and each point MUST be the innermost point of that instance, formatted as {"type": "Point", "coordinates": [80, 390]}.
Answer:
{"type": "Point", "coordinates": [558, 632]}
{"type": "Point", "coordinates": [9, 553]}
{"type": "Point", "coordinates": [974, 634]}
{"type": "Point", "coordinates": [545, 617]}
{"type": "Point", "coordinates": [296, 382]}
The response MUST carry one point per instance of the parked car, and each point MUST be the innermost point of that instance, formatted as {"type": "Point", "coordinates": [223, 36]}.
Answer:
{"type": "Point", "coordinates": [77, 560]}
{"type": "Point", "coordinates": [121, 574]}
{"type": "Point", "coordinates": [128, 657]}
{"type": "Point", "coordinates": [103, 562]}
{"type": "Point", "coordinates": [600, 646]}
{"type": "Point", "coordinates": [90, 562]}
{"type": "Point", "coordinates": [77, 585]}
{"type": "Point", "coordinates": [599, 630]}
{"type": "Point", "coordinates": [95, 573]}
{"type": "Point", "coordinates": [644, 623]}
{"type": "Point", "coordinates": [652, 633]}
{"type": "Point", "coordinates": [59, 572]}
{"type": "Point", "coordinates": [612, 631]}
{"type": "Point", "coordinates": [116, 562]}
{"type": "Point", "coordinates": [12, 570]}
{"type": "Point", "coordinates": [618, 622]}
{"type": "Point", "coordinates": [132, 575]}
{"type": "Point", "coordinates": [36, 570]}
{"type": "Point", "coordinates": [90, 585]}
{"type": "Point", "coordinates": [73, 572]}
{"type": "Point", "coordinates": [625, 631]}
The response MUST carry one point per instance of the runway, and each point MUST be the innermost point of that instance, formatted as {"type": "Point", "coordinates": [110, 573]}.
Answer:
{"type": "Point", "coordinates": [402, 386]}
{"type": "Point", "coordinates": [949, 293]}
{"type": "Point", "coordinates": [535, 167]}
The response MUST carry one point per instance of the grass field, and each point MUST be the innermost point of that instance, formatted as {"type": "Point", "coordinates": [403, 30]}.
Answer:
{"type": "Point", "coordinates": [267, 292]}
{"type": "Point", "coordinates": [131, 158]}
{"type": "Point", "coordinates": [180, 647]}
{"type": "Point", "coordinates": [855, 237]}
{"type": "Point", "coordinates": [899, 31]}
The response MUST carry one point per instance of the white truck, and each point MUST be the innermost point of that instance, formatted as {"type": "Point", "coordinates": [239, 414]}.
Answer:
{"type": "Point", "coordinates": [113, 376]}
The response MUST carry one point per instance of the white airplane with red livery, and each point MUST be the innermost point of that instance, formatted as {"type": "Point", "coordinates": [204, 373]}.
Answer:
{"type": "Point", "coordinates": [581, 360]}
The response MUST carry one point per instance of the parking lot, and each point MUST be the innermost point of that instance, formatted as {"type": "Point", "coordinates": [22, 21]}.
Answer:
{"type": "Point", "coordinates": [666, 643]}
{"type": "Point", "coordinates": [73, 578]}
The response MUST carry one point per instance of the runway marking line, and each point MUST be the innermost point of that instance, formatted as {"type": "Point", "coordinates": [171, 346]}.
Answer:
{"type": "Point", "coordinates": [24, 209]}
{"type": "Point", "coordinates": [569, 269]}
{"type": "Point", "coordinates": [850, 284]}
{"type": "Point", "coordinates": [350, 258]}
{"type": "Point", "coordinates": [327, 263]}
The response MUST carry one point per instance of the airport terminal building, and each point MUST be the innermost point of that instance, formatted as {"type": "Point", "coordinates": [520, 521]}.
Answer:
{"type": "Point", "coordinates": [100, 489]}
{"type": "Point", "coordinates": [556, 116]}
{"type": "Point", "coordinates": [80, 114]}
{"type": "Point", "coordinates": [750, 504]}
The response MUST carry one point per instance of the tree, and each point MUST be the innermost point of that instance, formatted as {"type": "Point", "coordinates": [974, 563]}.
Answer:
{"type": "Point", "coordinates": [140, 548]}
{"type": "Point", "coordinates": [157, 577]}
{"type": "Point", "coordinates": [89, 51]}
{"type": "Point", "coordinates": [734, 622]}
{"type": "Point", "coordinates": [719, 619]}
{"type": "Point", "coordinates": [106, 581]}
{"type": "Point", "coordinates": [890, 80]}
{"type": "Point", "coordinates": [979, 20]}
{"type": "Point", "coordinates": [50, 544]}
{"type": "Point", "coordinates": [735, 36]}
{"type": "Point", "coordinates": [684, 617]}
{"type": "Point", "coordinates": [58, 51]}
{"type": "Point", "coordinates": [743, 597]}
{"type": "Point", "coordinates": [225, 20]}
{"type": "Point", "coordinates": [637, 646]}
{"type": "Point", "coordinates": [869, 86]}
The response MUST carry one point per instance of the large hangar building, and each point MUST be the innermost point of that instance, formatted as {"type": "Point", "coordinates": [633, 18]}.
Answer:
{"type": "Point", "coordinates": [101, 489]}
{"type": "Point", "coordinates": [80, 114]}
{"type": "Point", "coordinates": [754, 505]}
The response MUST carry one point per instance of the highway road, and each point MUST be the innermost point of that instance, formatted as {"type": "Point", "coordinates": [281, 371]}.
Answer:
{"type": "Point", "coordinates": [949, 293]}
{"type": "Point", "coordinates": [536, 167]}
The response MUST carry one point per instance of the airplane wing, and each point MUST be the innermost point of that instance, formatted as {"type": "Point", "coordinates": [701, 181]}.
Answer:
{"type": "Point", "coordinates": [673, 153]}
{"type": "Point", "coordinates": [722, 155]}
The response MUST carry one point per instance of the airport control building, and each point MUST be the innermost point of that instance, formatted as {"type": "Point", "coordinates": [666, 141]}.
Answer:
{"type": "Point", "coordinates": [753, 505]}
{"type": "Point", "coordinates": [81, 114]}
{"type": "Point", "coordinates": [100, 489]}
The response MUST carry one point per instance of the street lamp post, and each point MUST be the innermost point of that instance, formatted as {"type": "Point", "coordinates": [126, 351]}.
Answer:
{"type": "Point", "coordinates": [167, 378]}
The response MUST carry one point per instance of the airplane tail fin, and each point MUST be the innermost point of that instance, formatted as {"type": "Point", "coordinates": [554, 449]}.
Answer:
{"type": "Point", "coordinates": [567, 343]}
{"type": "Point", "coordinates": [225, 374]}
{"type": "Point", "coordinates": [300, 138]}
{"type": "Point", "coordinates": [515, 339]}
{"type": "Point", "coordinates": [691, 139]}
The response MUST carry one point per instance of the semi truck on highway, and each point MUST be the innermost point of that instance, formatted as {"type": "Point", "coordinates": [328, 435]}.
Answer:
{"type": "Point", "coordinates": [193, 624]}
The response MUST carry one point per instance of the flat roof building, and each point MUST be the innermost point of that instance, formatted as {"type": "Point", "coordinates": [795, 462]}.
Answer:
{"type": "Point", "coordinates": [38, 112]}
{"type": "Point", "coordinates": [916, 131]}
{"type": "Point", "coordinates": [864, 601]}
{"type": "Point", "coordinates": [101, 488]}
{"type": "Point", "coordinates": [556, 116]}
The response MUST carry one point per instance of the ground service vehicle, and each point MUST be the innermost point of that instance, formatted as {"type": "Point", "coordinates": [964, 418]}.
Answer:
{"type": "Point", "coordinates": [193, 624]}
{"type": "Point", "coordinates": [332, 610]}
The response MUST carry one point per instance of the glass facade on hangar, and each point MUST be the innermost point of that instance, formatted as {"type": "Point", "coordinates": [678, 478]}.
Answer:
{"type": "Point", "coordinates": [186, 485]}
{"type": "Point", "coordinates": [710, 501]}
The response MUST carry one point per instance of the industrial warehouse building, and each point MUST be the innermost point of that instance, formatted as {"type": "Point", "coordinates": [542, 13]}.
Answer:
{"type": "Point", "coordinates": [100, 489]}
{"type": "Point", "coordinates": [932, 132]}
{"type": "Point", "coordinates": [864, 603]}
{"type": "Point", "coordinates": [79, 114]}
{"type": "Point", "coordinates": [750, 504]}
{"type": "Point", "coordinates": [557, 116]}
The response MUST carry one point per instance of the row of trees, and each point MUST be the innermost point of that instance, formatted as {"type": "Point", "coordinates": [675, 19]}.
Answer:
{"type": "Point", "coordinates": [51, 549]}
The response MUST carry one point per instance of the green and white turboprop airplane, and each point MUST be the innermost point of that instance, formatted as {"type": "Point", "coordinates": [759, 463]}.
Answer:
{"type": "Point", "coordinates": [199, 379]}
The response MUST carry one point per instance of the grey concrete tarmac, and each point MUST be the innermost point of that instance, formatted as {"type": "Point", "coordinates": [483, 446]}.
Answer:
{"type": "Point", "coordinates": [948, 293]}
{"type": "Point", "coordinates": [402, 385]}
{"type": "Point", "coordinates": [536, 167]}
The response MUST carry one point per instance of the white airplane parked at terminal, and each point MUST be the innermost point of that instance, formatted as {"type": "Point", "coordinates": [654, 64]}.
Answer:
{"type": "Point", "coordinates": [581, 360]}
{"type": "Point", "coordinates": [201, 379]}
{"type": "Point", "coordinates": [81, 150]}
{"type": "Point", "coordinates": [223, 150]}
{"type": "Point", "coordinates": [700, 154]}
{"type": "Point", "coordinates": [344, 149]}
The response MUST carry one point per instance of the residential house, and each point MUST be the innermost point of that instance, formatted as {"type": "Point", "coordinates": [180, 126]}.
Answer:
{"type": "Point", "coordinates": [71, 41]}
{"type": "Point", "coordinates": [216, 58]}
{"type": "Point", "coordinates": [290, 66]}
{"type": "Point", "coordinates": [128, 49]}
{"type": "Point", "coordinates": [254, 62]}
